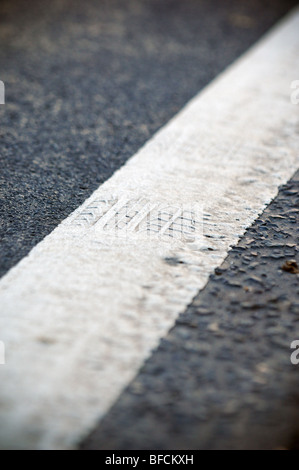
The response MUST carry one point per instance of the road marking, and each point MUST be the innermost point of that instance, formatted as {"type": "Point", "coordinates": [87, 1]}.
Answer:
{"type": "Point", "coordinates": [84, 310]}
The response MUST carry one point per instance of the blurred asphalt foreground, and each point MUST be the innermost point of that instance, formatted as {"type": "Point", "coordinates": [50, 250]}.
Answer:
{"type": "Point", "coordinates": [87, 83]}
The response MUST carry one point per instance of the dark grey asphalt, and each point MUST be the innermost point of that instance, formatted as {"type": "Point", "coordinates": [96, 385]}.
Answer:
{"type": "Point", "coordinates": [222, 378]}
{"type": "Point", "coordinates": [87, 83]}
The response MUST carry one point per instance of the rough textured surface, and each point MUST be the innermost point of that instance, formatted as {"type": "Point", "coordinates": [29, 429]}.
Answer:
{"type": "Point", "coordinates": [85, 308]}
{"type": "Point", "coordinates": [87, 83]}
{"type": "Point", "coordinates": [222, 378]}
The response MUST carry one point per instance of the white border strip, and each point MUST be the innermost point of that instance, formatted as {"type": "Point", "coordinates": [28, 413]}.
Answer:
{"type": "Point", "coordinates": [82, 312]}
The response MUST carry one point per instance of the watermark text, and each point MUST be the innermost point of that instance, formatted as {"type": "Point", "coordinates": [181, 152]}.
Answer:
{"type": "Point", "coordinates": [295, 354]}
{"type": "Point", "coordinates": [2, 93]}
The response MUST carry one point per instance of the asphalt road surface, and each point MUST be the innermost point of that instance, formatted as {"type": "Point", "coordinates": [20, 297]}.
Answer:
{"type": "Point", "coordinates": [222, 377]}
{"type": "Point", "coordinates": [88, 83]}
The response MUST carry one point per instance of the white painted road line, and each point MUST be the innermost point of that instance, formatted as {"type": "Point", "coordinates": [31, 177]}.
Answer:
{"type": "Point", "coordinates": [81, 313]}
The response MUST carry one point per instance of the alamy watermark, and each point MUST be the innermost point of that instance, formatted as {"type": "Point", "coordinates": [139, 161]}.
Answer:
{"type": "Point", "coordinates": [295, 355]}
{"type": "Point", "coordinates": [2, 93]}
{"type": "Point", "coordinates": [295, 93]}
{"type": "Point", "coordinates": [2, 353]}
